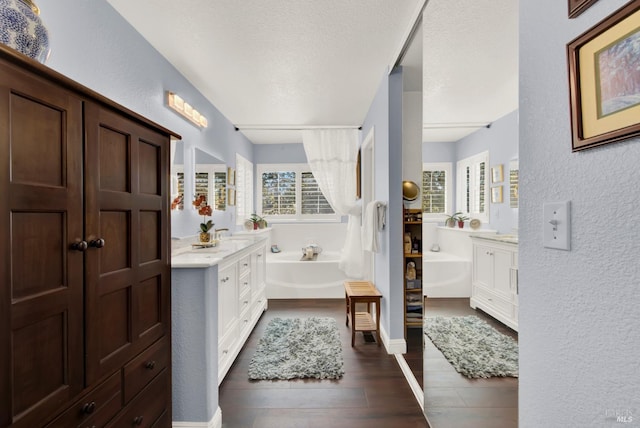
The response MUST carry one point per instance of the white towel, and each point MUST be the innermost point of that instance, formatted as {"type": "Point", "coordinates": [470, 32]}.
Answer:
{"type": "Point", "coordinates": [374, 221]}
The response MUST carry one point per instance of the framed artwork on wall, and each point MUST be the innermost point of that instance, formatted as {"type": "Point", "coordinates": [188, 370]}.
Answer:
{"type": "Point", "coordinates": [497, 174]}
{"type": "Point", "coordinates": [231, 197]}
{"type": "Point", "coordinates": [231, 176]}
{"type": "Point", "coordinates": [604, 83]}
{"type": "Point", "coordinates": [576, 7]}
{"type": "Point", "coordinates": [496, 195]}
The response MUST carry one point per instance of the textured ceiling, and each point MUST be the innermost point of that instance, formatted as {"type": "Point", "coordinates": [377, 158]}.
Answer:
{"type": "Point", "coordinates": [470, 64]}
{"type": "Point", "coordinates": [278, 62]}
{"type": "Point", "coordinates": [319, 63]}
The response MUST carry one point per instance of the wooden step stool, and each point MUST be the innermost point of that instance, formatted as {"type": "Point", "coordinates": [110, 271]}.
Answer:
{"type": "Point", "coordinates": [362, 292]}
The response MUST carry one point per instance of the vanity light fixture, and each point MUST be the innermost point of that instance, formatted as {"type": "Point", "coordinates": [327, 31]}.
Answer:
{"type": "Point", "coordinates": [185, 109]}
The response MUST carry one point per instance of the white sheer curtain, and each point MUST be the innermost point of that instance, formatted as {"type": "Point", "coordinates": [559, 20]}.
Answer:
{"type": "Point", "coordinates": [332, 155]}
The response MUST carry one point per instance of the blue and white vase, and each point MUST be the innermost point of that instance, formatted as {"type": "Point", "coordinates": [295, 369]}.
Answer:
{"type": "Point", "coordinates": [22, 29]}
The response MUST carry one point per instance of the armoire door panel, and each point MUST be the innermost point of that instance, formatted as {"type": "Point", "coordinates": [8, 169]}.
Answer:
{"type": "Point", "coordinates": [114, 322]}
{"type": "Point", "coordinates": [36, 156]}
{"type": "Point", "coordinates": [115, 159]}
{"type": "Point", "coordinates": [148, 305]}
{"type": "Point", "coordinates": [132, 227]}
{"type": "Point", "coordinates": [149, 169]}
{"type": "Point", "coordinates": [38, 354]}
{"type": "Point", "coordinates": [41, 278]}
{"type": "Point", "coordinates": [150, 236]}
{"type": "Point", "coordinates": [37, 239]}
{"type": "Point", "coordinates": [114, 229]}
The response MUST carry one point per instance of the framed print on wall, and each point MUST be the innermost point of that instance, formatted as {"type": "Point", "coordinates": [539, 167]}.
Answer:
{"type": "Point", "coordinates": [496, 195]}
{"type": "Point", "coordinates": [497, 174]}
{"type": "Point", "coordinates": [576, 7]}
{"type": "Point", "coordinates": [604, 82]}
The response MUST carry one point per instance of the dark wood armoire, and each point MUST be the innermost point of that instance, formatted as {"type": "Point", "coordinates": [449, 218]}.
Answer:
{"type": "Point", "coordinates": [84, 256]}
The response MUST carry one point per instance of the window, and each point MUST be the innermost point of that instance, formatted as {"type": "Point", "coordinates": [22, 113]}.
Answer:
{"type": "Point", "coordinates": [436, 190]}
{"type": "Point", "coordinates": [291, 192]}
{"type": "Point", "coordinates": [244, 189]}
{"type": "Point", "coordinates": [210, 181]}
{"type": "Point", "coordinates": [472, 187]}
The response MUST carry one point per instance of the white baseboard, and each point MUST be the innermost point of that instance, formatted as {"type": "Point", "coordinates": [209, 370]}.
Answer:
{"type": "Point", "coordinates": [395, 346]}
{"type": "Point", "coordinates": [215, 422]}
{"type": "Point", "coordinates": [411, 380]}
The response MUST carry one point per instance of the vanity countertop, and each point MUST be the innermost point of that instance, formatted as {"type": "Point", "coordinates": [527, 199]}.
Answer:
{"type": "Point", "coordinates": [190, 257]}
{"type": "Point", "coordinates": [508, 239]}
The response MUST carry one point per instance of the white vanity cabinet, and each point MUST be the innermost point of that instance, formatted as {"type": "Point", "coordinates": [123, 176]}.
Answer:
{"type": "Point", "coordinates": [241, 301]}
{"type": "Point", "coordinates": [495, 279]}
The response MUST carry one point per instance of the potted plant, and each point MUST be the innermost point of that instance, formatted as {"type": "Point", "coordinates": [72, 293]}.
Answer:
{"type": "Point", "coordinates": [452, 219]}
{"type": "Point", "coordinates": [257, 221]}
{"type": "Point", "coordinates": [204, 210]}
{"type": "Point", "coordinates": [461, 219]}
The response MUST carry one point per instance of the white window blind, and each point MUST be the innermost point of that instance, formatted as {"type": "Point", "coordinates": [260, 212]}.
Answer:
{"type": "Point", "coordinates": [290, 192]}
{"type": "Point", "coordinates": [436, 189]}
{"type": "Point", "coordinates": [278, 193]}
{"type": "Point", "coordinates": [472, 187]}
{"type": "Point", "coordinates": [244, 189]}
{"type": "Point", "coordinates": [312, 199]}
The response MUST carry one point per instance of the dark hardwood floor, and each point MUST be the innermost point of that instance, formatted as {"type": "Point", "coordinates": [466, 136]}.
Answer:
{"type": "Point", "coordinates": [373, 393]}
{"type": "Point", "coordinates": [454, 401]}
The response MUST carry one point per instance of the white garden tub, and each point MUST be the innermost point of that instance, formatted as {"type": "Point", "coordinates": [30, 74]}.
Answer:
{"type": "Point", "coordinates": [290, 278]}
{"type": "Point", "coordinates": [445, 275]}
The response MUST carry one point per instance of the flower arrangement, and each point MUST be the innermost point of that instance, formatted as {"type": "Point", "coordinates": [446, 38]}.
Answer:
{"type": "Point", "coordinates": [204, 210]}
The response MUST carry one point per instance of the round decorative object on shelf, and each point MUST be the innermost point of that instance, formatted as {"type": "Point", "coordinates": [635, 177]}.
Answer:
{"type": "Point", "coordinates": [475, 224]}
{"type": "Point", "coordinates": [22, 29]}
{"type": "Point", "coordinates": [410, 190]}
{"type": "Point", "coordinates": [248, 225]}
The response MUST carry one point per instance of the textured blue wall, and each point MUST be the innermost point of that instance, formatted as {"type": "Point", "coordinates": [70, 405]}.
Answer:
{"type": "Point", "coordinates": [92, 44]}
{"type": "Point", "coordinates": [385, 119]}
{"type": "Point", "coordinates": [279, 153]}
{"type": "Point", "coordinates": [579, 310]}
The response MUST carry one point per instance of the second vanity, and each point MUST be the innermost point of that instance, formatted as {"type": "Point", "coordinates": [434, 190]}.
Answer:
{"type": "Point", "coordinates": [218, 296]}
{"type": "Point", "coordinates": [495, 277]}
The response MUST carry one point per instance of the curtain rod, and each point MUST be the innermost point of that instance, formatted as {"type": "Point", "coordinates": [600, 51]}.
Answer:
{"type": "Point", "coordinates": [290, 127]}
{"type": "Point", "coordinates": [453, 125]}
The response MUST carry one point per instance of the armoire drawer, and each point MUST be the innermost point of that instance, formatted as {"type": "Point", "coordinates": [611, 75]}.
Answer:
{"type": "Point", "coordinates": [139, 371]}
{"type": "Point", "coordinates": [148, 406]}
{"type": "Point", "coordinates": [94, 409]}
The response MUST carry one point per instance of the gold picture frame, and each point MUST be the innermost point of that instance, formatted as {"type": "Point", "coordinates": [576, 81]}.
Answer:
{"type": "Point", "coordinates": [231, 176]}
{"type": "Point", "coordinates": [497, 174]}
{"type": "Point", "coordinates": [602, 78]}
{"type": "Point", "coordinates": [496, 195]}
{"type": "Point", "coordinates": [231, 197]}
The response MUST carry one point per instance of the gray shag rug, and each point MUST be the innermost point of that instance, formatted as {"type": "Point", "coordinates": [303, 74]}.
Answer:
{"type": "Point", "coordinates": [298, 348]}
{"type": "Point", "coordinates": [473, 347]}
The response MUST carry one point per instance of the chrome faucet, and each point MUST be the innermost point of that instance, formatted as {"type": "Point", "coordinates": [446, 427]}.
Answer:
{"type": "Point", "coordinates": [217, 232]}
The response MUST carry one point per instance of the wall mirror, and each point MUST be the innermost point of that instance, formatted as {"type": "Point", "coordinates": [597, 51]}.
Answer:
{"type": "Point", "coordinates": [177, 175]}
{"type": "Point", "coordinates": [514, 171]}
{"type": "Point", "coordinates": [211, 179]}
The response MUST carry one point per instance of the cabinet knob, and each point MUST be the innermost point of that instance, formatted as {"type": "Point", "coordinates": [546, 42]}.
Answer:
{"type": "Point", "coordinates": [97, 243]}
{"type": "Point", "coordinates": [150, 365]}
{"type": "Point", "coordinates": [88, 408]}
{"type": "Point", "coordinates": [138, 420]}
{"type": "Point", "coordinates": [245, 264]}
{"type": "Point", "coordinates": [79, 246]}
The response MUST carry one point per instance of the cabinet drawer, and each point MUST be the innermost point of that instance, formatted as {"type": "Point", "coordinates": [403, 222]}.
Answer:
{"type": "Point", "coordinates": [496, 302]}
{"type": "Point", "coordinates": [244, 265]}
{"type": "Point", "coordinates": [226, 344]}
{"type": "Point", "coordinates": [148, 406]}
{"type": "Point", "coordinates": [244, 283]}
{"type": "Point", "coordinates": [244, 304]}
{"type": "Point", "coordinates": [96, 408]}
{"type": "Point", "coordinates": [145, 367]}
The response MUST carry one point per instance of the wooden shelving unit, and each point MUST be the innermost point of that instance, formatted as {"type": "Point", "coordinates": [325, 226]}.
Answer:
{"type": "Point", "coordinates": [413, 301]}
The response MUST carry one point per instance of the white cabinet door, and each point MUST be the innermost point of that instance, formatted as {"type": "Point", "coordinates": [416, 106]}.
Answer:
{"type": "Point", "coordinates": [483, 266]}
{"type": "Point", "coordinates": [227, 299]}
{"type": "Point", "coordinates": [502, 261]}
{"type": "Point", "coordinates": [258, 261]}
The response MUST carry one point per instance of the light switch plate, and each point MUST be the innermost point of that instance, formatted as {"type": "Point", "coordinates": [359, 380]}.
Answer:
{"type": "Point", "coordinates": [556, 225]}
